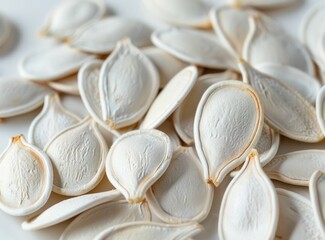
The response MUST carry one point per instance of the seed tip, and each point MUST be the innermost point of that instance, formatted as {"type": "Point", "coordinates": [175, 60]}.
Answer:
{"type": "Point", "coordinates": [136, 200]}
{"type": "Point", "coordinates": [16, 138]}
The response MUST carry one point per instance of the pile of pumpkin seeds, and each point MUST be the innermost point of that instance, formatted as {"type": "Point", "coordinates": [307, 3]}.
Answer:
{"type": "Point", "coordinates": [185, 123]}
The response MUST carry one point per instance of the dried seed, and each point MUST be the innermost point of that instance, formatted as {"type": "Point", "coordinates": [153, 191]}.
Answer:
{"type": "Point", "coordinates": [51, 63]}
{"type": "Point", "coordinates": [77, 154]}
{"type": "Point", "coordinates": [183, 117]}
{"type": "Point", "coordinates": [69, 208]}
{"type": "Point", "coordinates": [285, 110]}
{"type": "Point", "coordinates": [101, 37]}
{"type": "Point", "coordinates": [68, 85]}
{"type": "Point", "coordinates": [126, 93]}
{"type": "Point", "coordinates": [296, 167]}
{"type": "Point", "coordinates": [170, 97]}
{"type": "Point", "coordinates": [136, 160]}
{"type": "Point", "coordinates": [181, 194]}
{"type": "Point", "coordinates": [70, 15]}
{"type": "Point", "coordinates": [150, 230]}
{"type": "Point", "coordinates": [186, 44]}
{"type": "Point", "coordinates": [228, 123]}
{"type": "Point", "coordinates": [88, 224]}
{"type": "Point", "coordinates": [53, 119]}
{"type": "Point", "coordinates": [249, 208]}
{"type": "Point", "coordinates": [168, 128]}
{"type": "Point", "coordinates": [26, 178]}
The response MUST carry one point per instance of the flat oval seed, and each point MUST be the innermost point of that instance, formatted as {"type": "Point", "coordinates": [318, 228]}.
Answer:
{"type": "Point", "coordinates": [296, 167]}
{"type": "Point", "coordinates": [101, 37]}
{"type": "Point", "coordinates": [168, 128]}
{"type": "Point", "coordinates": [128, 83]}
{"type": "Point", "coordinates": [262, 4]}
{"type": "Point", "coordinates": [188, 13]}
{"type": "Point", "coordinates": [285, 50]}
{"type": "Point", "coordinates": [69, 208]}
{"type": "Point", "coordinates": [296, 219]}
{"type": "Point", "coordinates": [150, 230]}
{"type": "Point", "coordinates": [88, 224]}
{"type": "Point", "coordinates": [167, 65]}
{"type": "Point", "coordinates": [136, 160]}
{"type": "Point", "coordinates": [317, 197]}
{"type": "Point", "coordinates": [78, 155]}
{"type": "Point", "coordinates": [228, 123]}
{"type": "Point", "coordinates": [26, 178]}
{"type": "Point", "coordinates": [68, 85]}
{"type": "Point", "coordinates": [53, 119]}
{"type": "Point", "coordinates": [183, 117]}
{"type": "Point", "coordinates": [19, 96]}
{"type": "Point", "coordinates": [268, 144]}
{"type": "Point", "coordinates": [186, 44]}
{"type": "Point", "coordinates": [170, 97]}
{"type": "Point", "coordinates": [285, 110]}
{"type": "Point", "coordinates": [181, 194]}
{"type": "Point", "coordinates": [72, 14]}
{"type": "Point", "coordinates": [249, 208]}
{"type": "Point", "coordinates": [5, 30]}
{"type": "Point", "coordinates": [51, 63]}
{"type": "Point", "coordinates": [320, 108]}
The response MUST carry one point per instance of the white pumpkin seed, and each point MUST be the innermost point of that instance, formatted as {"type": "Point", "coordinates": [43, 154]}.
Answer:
{"type": "Point", "coordinates": [320, 108]}
{"type": "Point", "coordinates": [167, 65]}
{"type": "Point", "coordinates": [296, 167]}
{"type": "Point", "coordinates": [72, 14]}
{"type": "Point", "coordinates": [285, 50]}
{"type": "Point", "coordinates": [101, 37]}
{"type": "Point", "coordinates": [88, 224]}
{"type": "Point", "coordinates": [136, 160]}
{"type": "Point", "coordinates": [298, 80]}
{"type": "Point", "coordinates": [53, 119]}
{"type": "Point", "coordinates": [188, 13]}
{"type": "Point", "coordinates": [249, 208]}
{"type": "Point", "coordinates": [168, 128]}
{"type": "Point", "coordinates": [5, 30]}
{"type": "Point", "coordinates": [150, 230]}
{"type": "Point", "coordinates": [69, 208]}
{"type": "Point", "coordinates": [262, 4]}
{"type": "Point", "coordinates": [268, 144]}
{"type": "Point", "coordinates": [228, 123]}
{"type": "Point", "coordinates": [26, 178]}
{"type": "Point", "coordinates": [285, 110]}
{"type": "Point", "coordinates": [19, 96]}
{"type": "Point", "coordinates": [170, 97]}
{"type": "Point", "coordinates": [128, 83]}
{"type": "Point", "coordinates": [77, 154]}
{"type": "Point", "coordinates": [183, 117]}
{"type": "Point", "coordinates": [68, 85]}
{"type": "Point", "coordinates": [196, 47]}
{"type": "Point", "coordinates": [296, 219]}
{"type": "Point", "coordinates": [181, 194]}
{"type": "Point", "coordinates": [51, 63]}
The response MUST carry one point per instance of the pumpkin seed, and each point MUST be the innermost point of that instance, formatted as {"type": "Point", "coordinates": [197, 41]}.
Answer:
{"type": "Point", "coordinates": [53, 119]}
{"type": "Point", "coordinates": [77, 154]}
{"type": "Point", "coordinates": [101, 37]}
{"type": "Point", "coordinates": [70, 15]}
{"type": "Point", "coordinates": [51, 63]}
{"type": "Point", "coordinates": [188, 13]}
{"type": "Point", "coordinates": [5, 30]}
{"type": "Point", "coordinates": [136, 160]}
{"type": "Point", "coordinates": [296, 219]}
{"type": "Point", "coordinates": [150, 230]}
{"type": "Point", "coordinates": [167, 65]}
{"type": "Point", "coordinates": [181, 195]}
{"type": "Point", "coordinates": [183, 117]}
{"type": "Point", "coordinates": [88, 224]}
{"type": "Point", "coordinates": [69, 208]}
{"type": "Point", "coordinates": [20, 96]}
{"type": "Point", "coordinates": [285, 110]}
{"type": "Point", "coordinates": [26, 178]}
{"type": "Point", "coordinates": [125, 96]}
{"type": "Point", "coordinates": [170, 97]}
{"type": "Point", "coordinates": [296, 167]}
{"type": "Point", "coordinates": [286, 50]}
{"type": "Point", "coordinates": [68, 85]}
{"type": "Point", "coordinates": [168, 128]}
{"type": "Point", "coordinates": [262, 4]}
{"type": "Point", "coordinates": [186, 44]}
{"type": "Point", "coordinates": [228, 123]}
{"type": "Point", "coordinates": [304, 84]}
{"type": "Point", "coordinates": [255, 189]}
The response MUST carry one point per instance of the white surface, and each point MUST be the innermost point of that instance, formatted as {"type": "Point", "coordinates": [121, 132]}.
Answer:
{"type": "Point", "coordinates": [28, 17]}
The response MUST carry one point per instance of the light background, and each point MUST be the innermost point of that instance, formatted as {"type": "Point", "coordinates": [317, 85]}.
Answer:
{"type": "Point", "coordinates": [27, 17]}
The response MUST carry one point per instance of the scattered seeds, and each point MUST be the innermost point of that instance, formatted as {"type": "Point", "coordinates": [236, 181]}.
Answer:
{"type": "Point", "coordinates": [68, 85]}
{"type": "Point", "coordinates": [168, 128]}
